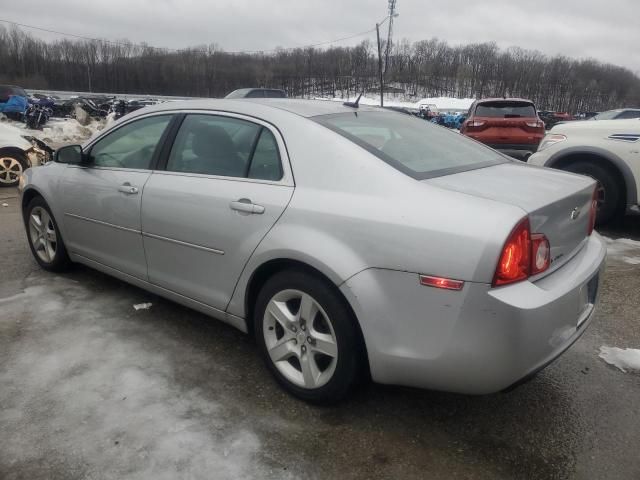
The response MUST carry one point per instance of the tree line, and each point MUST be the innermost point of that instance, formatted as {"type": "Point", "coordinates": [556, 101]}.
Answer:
{"type": "Point", "coordinates": [427, 68]}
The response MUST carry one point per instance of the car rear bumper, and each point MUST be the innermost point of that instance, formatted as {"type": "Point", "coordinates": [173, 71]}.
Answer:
{"type": "Point", "coordinates": [479, 340]}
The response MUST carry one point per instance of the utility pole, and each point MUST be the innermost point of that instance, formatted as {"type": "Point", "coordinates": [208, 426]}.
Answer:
{"type": "Point", "coordinates": [380, 66]}
{"type": "Point", "coordinates": [392, 15]}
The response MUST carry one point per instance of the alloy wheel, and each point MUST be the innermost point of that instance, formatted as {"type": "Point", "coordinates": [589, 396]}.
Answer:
{"type": "Point", "coordinates": [42, 233]}
{"type": "Point", "coordinates": [10, 170]}
{"type": "Point", "coordinates": [300, 339]}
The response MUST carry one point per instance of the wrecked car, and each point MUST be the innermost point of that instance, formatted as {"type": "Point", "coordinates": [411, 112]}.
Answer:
{"type": "Point", "coordinates": [19, 152]}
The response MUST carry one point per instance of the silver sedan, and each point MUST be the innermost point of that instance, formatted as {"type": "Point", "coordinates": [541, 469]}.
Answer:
{"type": "Point", "coordinates": [351, 242]}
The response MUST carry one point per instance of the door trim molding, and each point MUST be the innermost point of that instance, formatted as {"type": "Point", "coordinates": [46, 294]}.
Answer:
{"type": "Point", "coordinates": [184, 244]}
{"type": "Point", "coordinates": [99, 222]}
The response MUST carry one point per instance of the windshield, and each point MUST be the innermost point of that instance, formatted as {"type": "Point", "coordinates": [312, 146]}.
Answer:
{"type": "Point", "coordinates": [609, 115]}
{"type": "Point", "coordinates": [505, 110]}
{"type": "Point", "coordinates": [413, 146]}
{"type": "Point", "coordinates": [240, 93]}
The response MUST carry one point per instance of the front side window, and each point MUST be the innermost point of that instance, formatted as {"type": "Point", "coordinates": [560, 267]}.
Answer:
{"type": "Point", "coordinates": [418, 149]}
{"type": "Point", "coordinates": [130, 146]}
{"type": "Point", "coordinates": [225, 146]}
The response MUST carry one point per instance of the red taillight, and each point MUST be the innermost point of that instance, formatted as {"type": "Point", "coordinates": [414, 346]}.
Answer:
{"type": "Point", "coordinates": [514, 264]}
{"type": "Point", "coordinates": [593, 212]}
{"type": "Point", "coordinates": [475, 124]}
{"type": "Point", "coordinates": [523, 255]}
{"type": "Point", "coordinates": [440, 282]}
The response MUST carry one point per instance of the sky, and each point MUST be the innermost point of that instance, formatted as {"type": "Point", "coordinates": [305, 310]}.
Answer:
{"type": "Point", "coordinates": [608, 31]}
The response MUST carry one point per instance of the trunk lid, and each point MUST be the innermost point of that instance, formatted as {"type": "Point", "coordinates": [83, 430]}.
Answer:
{"type": "Point", "coordinates": [557, 203]}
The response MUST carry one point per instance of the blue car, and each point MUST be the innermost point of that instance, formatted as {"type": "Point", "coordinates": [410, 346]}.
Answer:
{"type": "Point", "coordinates": [13, 100]}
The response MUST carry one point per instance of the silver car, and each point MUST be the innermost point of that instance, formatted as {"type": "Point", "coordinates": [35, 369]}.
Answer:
{"type": "Point", "coordinates": [349, 241]}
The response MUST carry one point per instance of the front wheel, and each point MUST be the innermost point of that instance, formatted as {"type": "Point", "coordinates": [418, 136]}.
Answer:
{"type": "Point", "coordinates": [12, 165]}
{"type": "Point", "coordinates": [44, 237]}
{"type": "Point", "coordinates": [608, 190]}
{"type": "Point", "coordinates": [308, 337]}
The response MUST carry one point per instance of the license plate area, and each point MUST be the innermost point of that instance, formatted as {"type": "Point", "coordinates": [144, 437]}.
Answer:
{"type": "Point", "coordinates": [587, 298]}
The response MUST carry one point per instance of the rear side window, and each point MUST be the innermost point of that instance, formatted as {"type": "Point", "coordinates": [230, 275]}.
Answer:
{"type": "Point", "coordinates": [275, 94]}
{"type": "Point", "coordinates": [629, 114]}
{"type": "Point", "coordinates": [265, 164]}
{"type": "Point", "coordinates": [225, 146]}
{"type": "Point", "coordinates": [505, 110]}
{"type": "Point", "coordinates": [413, 146]}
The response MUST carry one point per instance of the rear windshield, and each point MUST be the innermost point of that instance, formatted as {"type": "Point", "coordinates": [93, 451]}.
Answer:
{"type": "Point", "coordinates": [505, 110]}
{"type": "Point", "coordinates": [417, 148]}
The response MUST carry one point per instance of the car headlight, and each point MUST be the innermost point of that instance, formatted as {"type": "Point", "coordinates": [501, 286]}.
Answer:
{"type": "Point", "coordinates": [551, 139]}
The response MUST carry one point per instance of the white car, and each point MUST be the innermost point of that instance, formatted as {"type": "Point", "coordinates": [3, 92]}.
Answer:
{"type": "Point", "coordinates": [17, 153]}
{"type": "Point", "coordinates": [606, 150]}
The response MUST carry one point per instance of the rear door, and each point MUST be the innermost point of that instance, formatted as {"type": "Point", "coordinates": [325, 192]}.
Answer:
{"type": "Point", "coordinates": [226, 182]}
{"type": "Point", "coordinates": [101, 200]}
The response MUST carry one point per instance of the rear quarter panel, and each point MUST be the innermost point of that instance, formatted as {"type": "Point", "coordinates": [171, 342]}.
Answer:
{"type": "Point", "coordinates": [350, 211]}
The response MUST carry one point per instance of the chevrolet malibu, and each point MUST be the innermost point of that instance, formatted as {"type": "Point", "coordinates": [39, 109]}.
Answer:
{"type": "Point", "coordinates": [350, 241]}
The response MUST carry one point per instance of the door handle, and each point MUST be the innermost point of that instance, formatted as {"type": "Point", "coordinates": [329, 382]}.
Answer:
{"type": "Point", "coordinates": [128, 189]}
{"type": "Point", "coordinates": [244, 205]}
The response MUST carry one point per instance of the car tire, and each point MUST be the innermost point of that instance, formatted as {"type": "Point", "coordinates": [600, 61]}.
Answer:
{"type": "Point", "coordinates": [43, 235]}
{"type": "Point", "coordinates": [609, 190]}
{"type": "Point", "coordinates": [308, 337]}
{"type": "Point", "coordinates": [12, 166]}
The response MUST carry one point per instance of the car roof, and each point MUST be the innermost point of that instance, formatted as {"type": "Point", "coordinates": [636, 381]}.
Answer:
{"type": "Point", "coordinates": [504, 100]}
{"type": "Point", "coordinates": [249, 106]}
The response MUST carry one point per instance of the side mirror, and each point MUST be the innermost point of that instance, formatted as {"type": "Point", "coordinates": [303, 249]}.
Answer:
{"type": "Point", "coordinates": [71, 154]}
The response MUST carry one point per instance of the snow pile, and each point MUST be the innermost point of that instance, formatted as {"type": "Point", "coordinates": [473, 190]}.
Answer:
{"type": "Point", "coordinates": [623, 250]}
{"type": "Point", "coordinates": [58, 131]}
{"type": "Point", "coordinates": [623, 358]}
{"type": "Point", "coordinates": [442, 103]}
{"type": "Point", "coordinates": [67, 130]}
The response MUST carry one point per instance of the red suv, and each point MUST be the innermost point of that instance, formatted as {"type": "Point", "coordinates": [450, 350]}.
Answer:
{"type": "Point", "coordinates": [510, 125]}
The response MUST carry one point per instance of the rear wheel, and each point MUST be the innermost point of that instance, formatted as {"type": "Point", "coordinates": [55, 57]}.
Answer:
{"type": "Point", "coordinates": [44, 237]}
{"type": "Point", "coordinates": [12, 165]}
{"type": "Point", "coordinates": [308, 337]}
{"type": "Point", "coordinates": [608, 189]}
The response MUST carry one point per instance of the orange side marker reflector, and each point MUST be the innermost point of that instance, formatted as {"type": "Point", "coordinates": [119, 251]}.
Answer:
{"type": "Point", "coordinates": [439, 282]}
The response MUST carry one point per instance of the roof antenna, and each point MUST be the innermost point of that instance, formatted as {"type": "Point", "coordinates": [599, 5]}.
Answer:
{"type": "Point", "coordinates": [353, 104]}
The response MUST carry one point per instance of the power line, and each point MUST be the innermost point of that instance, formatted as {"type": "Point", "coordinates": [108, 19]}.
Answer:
{"type": "Point", "coordinates": [166, 49]}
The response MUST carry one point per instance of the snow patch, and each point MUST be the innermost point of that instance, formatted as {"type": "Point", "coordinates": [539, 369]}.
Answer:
{"type": "Point", "coordinates": [623, 358]}
{"type": "Point", "coordinates": [443, 103]}
{"type": "Point", "coordinates": [142, 306]}
{"type": "Point", "coordinates": [96, 396]}
{"type": "Point", "coordinates": [623, 250]}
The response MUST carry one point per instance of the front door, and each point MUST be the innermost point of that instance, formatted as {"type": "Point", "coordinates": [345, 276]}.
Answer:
{"type": "Point", "coordinates": [223, 189]}
{"type": "Point", "coordinates": [101, 200]}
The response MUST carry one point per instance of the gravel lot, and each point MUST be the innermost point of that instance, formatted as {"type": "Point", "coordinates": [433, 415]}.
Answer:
{"type": "Point", "coordinates": [90, 388]}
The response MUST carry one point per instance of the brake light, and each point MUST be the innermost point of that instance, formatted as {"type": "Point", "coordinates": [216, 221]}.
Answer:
{"type": "Point", "coordinates": [593, 212]}
{"type": "Point", "coordinates": [514, 263]}
{"type": "Point", "coordinates": [476, 123]}
{"type": "Point", "coordinates": [523, 255]}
